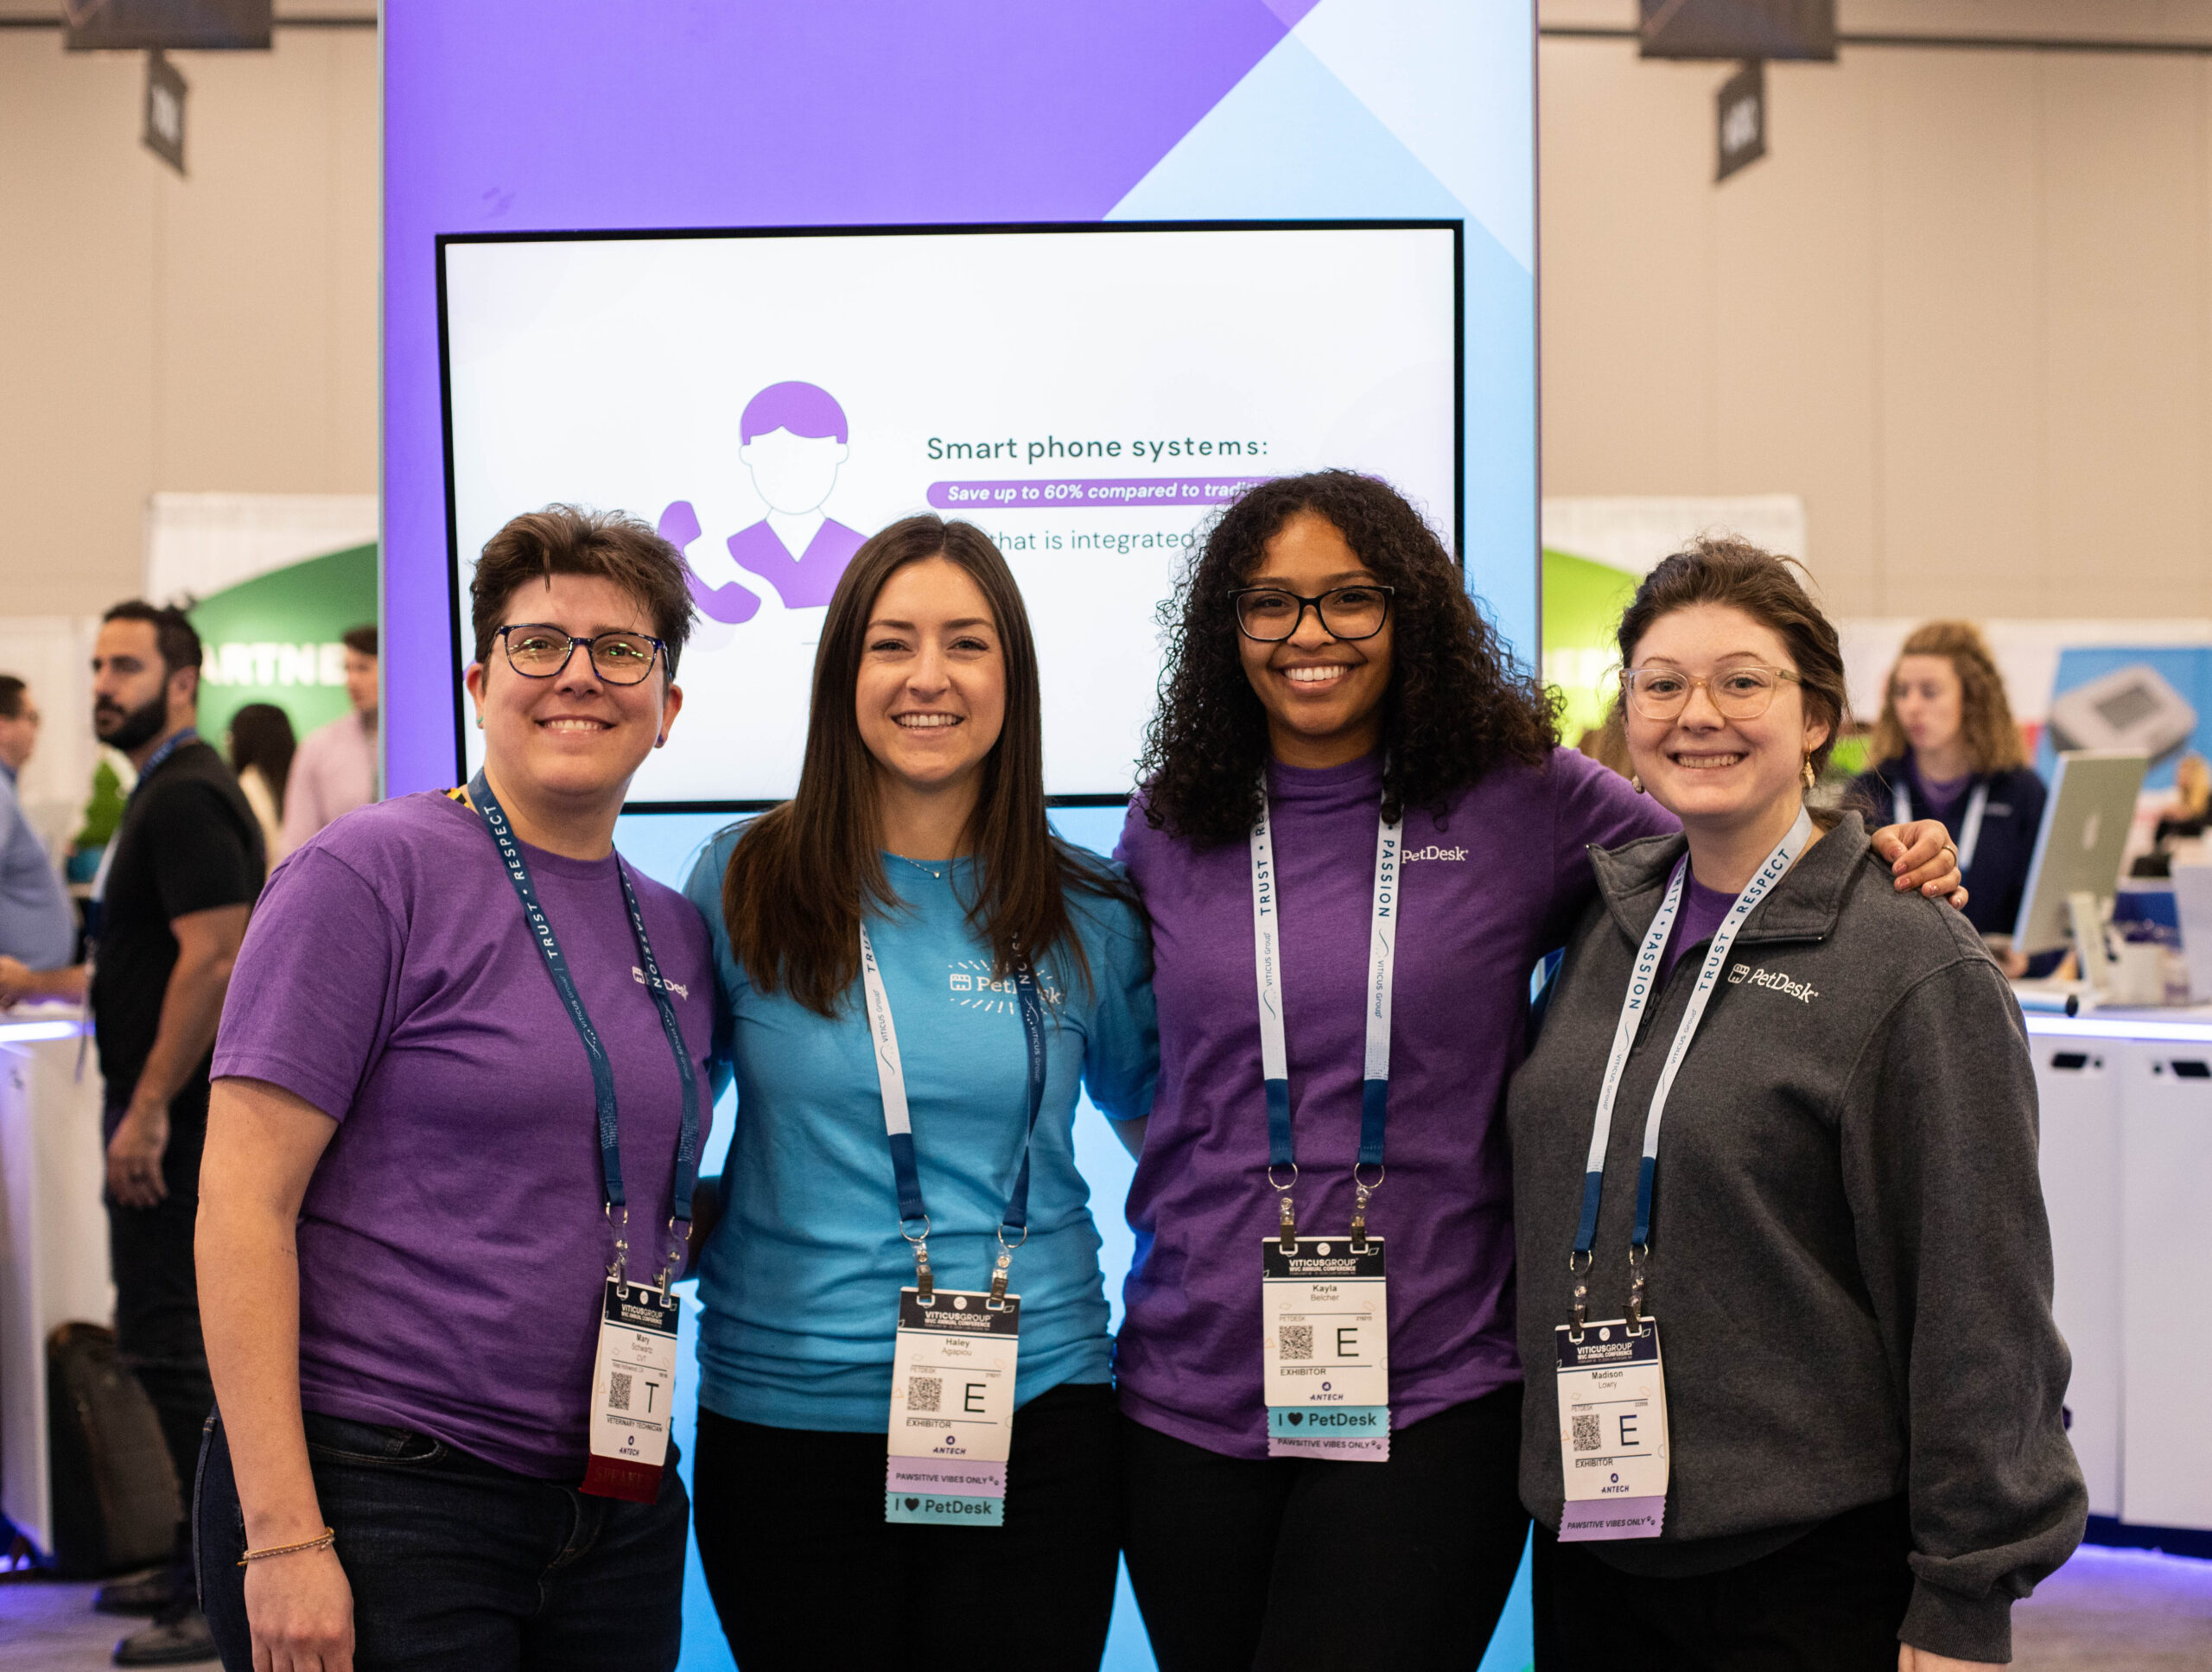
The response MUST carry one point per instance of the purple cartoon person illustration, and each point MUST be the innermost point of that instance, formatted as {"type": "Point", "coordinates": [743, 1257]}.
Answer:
{"type": "Point", "coordinates": [792, 438]}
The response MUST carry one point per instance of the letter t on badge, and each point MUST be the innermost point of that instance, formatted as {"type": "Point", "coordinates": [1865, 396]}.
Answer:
{"type": "Point", "coordinates": [633, 1385]}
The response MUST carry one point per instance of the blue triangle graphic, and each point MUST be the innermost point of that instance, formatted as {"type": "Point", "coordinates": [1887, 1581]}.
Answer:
{"type": "Point", "coordinates": [1289, 141]}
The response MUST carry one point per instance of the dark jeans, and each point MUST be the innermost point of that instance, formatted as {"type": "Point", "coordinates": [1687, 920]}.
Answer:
{"type": "Point", "coordinates": [807, 1574]}
{"type": "Point", "coordinates": [157, 1294]}
{"type": "Point", "coordinates": [1830, 1602]}
{"type": "Point", "coordinates": [459, 1566]}
{"type": "Point", "coordinates": [1280, 1563]}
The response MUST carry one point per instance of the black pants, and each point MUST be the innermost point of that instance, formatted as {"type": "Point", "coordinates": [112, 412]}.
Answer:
{"type": "Point", "coordinates": [1830, 1602]}
{"type": "Point", "coordinates": [458, 1565]}
{"type": "Point", "coordinates": [157, 1292]}
{"type": "Point", "coordinates": [806, 1574]}
{"type": "Point", "coordinates": [1281, 1563]}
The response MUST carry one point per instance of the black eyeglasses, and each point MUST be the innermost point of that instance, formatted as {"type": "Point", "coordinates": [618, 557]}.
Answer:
{"type": "Point", "coordinates": [1271, 615]}
{"type": "Point", "coordinates": [538, 651]}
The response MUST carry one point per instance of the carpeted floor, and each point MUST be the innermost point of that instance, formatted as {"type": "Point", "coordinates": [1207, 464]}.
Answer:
{"type": "Point", "coordinates": [2112, 1610]}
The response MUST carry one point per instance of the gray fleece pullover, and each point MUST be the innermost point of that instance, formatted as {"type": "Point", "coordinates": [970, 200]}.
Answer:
{"type": "Point", "coordinates": [1850, 1263]}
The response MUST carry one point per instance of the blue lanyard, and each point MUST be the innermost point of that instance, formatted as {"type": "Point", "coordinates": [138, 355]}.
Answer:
{"type": "Point", "coordinates": [898, 1129]}
{"type": "Point", "coordinates": [602, 1071]}
{"type": "Point", "coordinates": [189, 735]}
{"type": "Point", "coordinates": [1274, 1052]}
{"type": "Point", "coordinates": [96, 909]}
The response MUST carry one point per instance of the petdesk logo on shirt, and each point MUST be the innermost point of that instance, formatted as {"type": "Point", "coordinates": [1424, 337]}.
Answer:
{"type": "Point", "coordinates": [1773, 981]}
{"type": "Point", "coordinates": [1435, 852]}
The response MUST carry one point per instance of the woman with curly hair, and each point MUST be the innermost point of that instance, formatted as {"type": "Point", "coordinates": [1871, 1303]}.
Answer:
{"type": "Point", "coordinates": [1356, 838]}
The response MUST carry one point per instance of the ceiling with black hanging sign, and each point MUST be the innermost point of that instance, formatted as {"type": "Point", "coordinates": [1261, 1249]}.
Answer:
{"type": "Point", "coordinates": [1740, 119]}
{"type": "Point", "coordinates": [175, 25]}
{"type": "Point", "coordinates": [1736, 28]}
{"type": "Point", "coordinates": [163, 132]}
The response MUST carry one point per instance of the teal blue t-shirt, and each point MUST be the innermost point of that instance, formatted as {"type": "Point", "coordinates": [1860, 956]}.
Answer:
{"type": "Point", "coordinates": [799, 1283]}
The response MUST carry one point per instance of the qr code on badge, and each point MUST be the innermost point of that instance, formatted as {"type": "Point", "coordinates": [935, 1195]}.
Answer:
{"type": "Point", "coordinates": [1295, 1340]}
{"type": "Point", "coordinates": [617, 1390]}
{"type": "Point", "coordinates": [923, 1392]}
{"type": "Point", "coordinates": [1586, 1432]}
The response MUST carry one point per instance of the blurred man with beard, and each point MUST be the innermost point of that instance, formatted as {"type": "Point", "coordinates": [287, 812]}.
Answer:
{"type": "Point", "coordinates": [178, 881]}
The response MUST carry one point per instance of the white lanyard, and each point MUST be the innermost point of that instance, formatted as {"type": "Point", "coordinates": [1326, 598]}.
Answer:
{"type": "Point", "coordinates": [1381, 968]}
{"type": "Point", "coordinates": [1969, 831]}
{"type": "Point", "coordinates": [1642, 985]}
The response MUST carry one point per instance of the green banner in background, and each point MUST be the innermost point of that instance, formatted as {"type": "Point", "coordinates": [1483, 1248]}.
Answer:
{"type": "Point", "coordinates": [277, 638]}
{"type": "Point", "coordinates": [1583, 603]}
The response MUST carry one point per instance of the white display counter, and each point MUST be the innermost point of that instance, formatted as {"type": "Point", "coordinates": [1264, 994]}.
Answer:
{"type": "Point", "coordinates": [54, 1230]}
{"type": "Point", "coordinates": [2126, 1104]}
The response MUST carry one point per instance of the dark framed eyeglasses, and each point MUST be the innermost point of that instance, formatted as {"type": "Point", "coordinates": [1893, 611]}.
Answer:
{"type": "Point", "coordinates": [536, 649]}
{"type": "Point", "coordinates": [1270, 614]}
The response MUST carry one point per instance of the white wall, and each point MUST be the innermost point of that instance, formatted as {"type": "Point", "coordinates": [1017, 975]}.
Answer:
{"type": "Point", "coordinates": [1963, 307]}
{"type": "Point", "coordinates": [212, 333]}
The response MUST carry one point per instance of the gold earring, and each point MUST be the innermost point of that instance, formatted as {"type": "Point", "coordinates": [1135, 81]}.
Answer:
{"type": "Point", "coordinates": [1810, 778]}
{"type": "Point", "coordinates": [1636, 781]}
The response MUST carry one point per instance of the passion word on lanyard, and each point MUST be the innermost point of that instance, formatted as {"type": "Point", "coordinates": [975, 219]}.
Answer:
{"type": "Point", "coordinates": [898, 1128]}
{"type": "Point", "coordinates": [1969, 829]}
{"type": "Point", "coordinates": [602, 1071]}
{"type": "Point", "coordinates": [1382, 966]}
{"type": "Point", "coordinates": [1642, 985]}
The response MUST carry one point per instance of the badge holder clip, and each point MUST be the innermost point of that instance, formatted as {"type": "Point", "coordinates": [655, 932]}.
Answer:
{"type": "Point", "coordinates": [1639, 1263]}
{"type": "Point", "coordinates": [1580, 1311]}
{"type": "Point", "coordinates": [997, 1301]}
{"type": "Point", "coordinates": [619, 1270]}
{"type": "Point", "coordinates": [925, 1279]}
{"type": "Point", "coordinates": [1288, 1226]}
{"type": "Point", "coordinates": [1360, 1207]}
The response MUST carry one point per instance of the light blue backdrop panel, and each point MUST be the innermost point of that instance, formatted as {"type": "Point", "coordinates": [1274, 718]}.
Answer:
{"type": "Point", "coordinates": [2188, 669]}
{"type": "Point", "coordinates": [666, 846]}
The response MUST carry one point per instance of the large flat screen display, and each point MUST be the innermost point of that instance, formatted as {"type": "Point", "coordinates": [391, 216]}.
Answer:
{"type": "Point", "coordinates": [1089, 395]}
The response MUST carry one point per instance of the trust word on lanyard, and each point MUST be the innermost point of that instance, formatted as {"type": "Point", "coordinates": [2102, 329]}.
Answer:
{"type": "Point", "coordinates": [634, 1379]}
{"type": "Point", "coordinates": [956, 1351]}
{"type": "Point", "coordinates": [1324, 1332]}
{"type": "Point", "coordinates": [1612, 1388]}
{"type": "Point", "coordinates": [1969, 829]}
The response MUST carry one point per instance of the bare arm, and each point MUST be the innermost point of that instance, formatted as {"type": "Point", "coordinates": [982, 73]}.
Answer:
{"type": "Point", "coordinates": [1131, 1132]}
{"type": "Point", "coordinates": [18, 982]}
{"type": "Point", "coordinates": [207, 946]}
{"type": "Point", "coordinates": [263, 1146]}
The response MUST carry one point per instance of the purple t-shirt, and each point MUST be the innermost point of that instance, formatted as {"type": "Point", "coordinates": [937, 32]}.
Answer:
{"type": "Point", "coordinates": [453, 1242]}
{"type": "Point", "coordinates": [1484, 894]}
{"type": "Point", "coordinates": [1703, 909]}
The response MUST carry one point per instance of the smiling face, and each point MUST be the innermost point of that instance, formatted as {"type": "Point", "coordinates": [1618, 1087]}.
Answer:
{"type": "Point", "coordinates": [1323, 695]}
{"type": "Point", "coordinates": [574, 737]}
{"type": "Point", "coordinates": [930, 697]}
{"type": "Point", "coordinates": [1930, 702]}
{"type": "Point", "coordinates": [1709, 770]}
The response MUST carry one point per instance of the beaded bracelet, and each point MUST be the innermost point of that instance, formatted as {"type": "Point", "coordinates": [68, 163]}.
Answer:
{"type": "Point", "coordinates": [329, 1537]}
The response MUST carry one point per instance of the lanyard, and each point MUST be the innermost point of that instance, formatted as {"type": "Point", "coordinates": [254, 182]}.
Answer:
{"type": "Point", "coordinates": [153, 764]}
{"type": "Point", "coordinates": [1969, 831]}
{"type": "Point", "coordinates": [898, 1128]}
{"type": "Point", "coordinates": [1642, 984]}
{"type": "Point", "coordinates": [1275, 1053]}
{"type": "Point", "coordinates": [602, 1071]}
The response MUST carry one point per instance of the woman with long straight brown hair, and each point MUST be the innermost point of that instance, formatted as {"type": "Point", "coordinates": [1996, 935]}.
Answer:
{"type": "Point", "coordinates": [904, 1356]}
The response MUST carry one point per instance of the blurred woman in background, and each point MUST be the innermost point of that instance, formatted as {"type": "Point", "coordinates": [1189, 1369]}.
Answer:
{"type": "Point", "coordinates": [261, 747]}
{"type": "Point", "coordinates": [1946, 748]}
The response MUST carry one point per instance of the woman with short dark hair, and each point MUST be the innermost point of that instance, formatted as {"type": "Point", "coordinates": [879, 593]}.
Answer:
{"type": "Point", "coordinates": [904, 1324]}
{"type": "Point", "coordinates": [1793, 1387]}
{"type": "Point", "coordinates": [1356, 836]}
{"type": "Point", "coordinates": [460, 1096]}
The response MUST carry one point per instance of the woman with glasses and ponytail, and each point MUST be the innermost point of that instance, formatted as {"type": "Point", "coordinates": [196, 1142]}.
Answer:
{"type": "Point", "coordinates": [1794, 1386]}
{"type": "Point", "coordinates": [1356, 838]}
{"type": "Point", "coordinates": [459, 1093]}
{"type": "Point", "coordinates": [908, 1449]}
